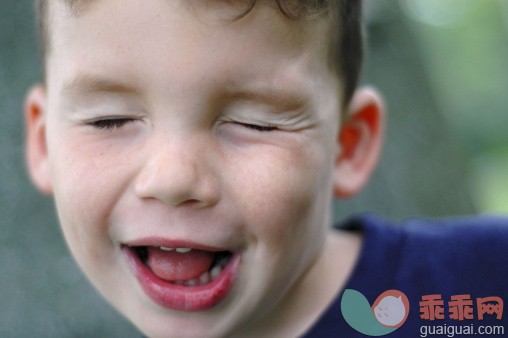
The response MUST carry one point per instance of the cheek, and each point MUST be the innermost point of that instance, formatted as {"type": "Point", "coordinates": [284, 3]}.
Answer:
{"type": "Point", "coordinates": [284, 192]}
{"type": "Point", "coordinates": [87, 180]}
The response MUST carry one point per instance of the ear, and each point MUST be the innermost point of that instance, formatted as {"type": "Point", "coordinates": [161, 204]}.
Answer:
{"type": "Point", "coordinates": [36, 150]}
{"type": "Point", "coordinates": [360, 139]}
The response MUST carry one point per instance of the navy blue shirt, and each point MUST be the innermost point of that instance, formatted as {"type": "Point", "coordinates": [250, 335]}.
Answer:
{"type": "Point", "coordinates": [447, 257]}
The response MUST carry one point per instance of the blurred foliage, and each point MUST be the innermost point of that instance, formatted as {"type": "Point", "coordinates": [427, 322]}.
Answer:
{"type": "Point", "coordinates": [441, 65]}
{"type": "Point", "coordinates": [422, 168]}
{"type": "Point", "coordinates": [464, 44]}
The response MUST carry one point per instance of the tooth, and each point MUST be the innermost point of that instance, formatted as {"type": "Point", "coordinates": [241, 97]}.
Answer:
{"type": "Point", "coordinates": [204, 278]}
{"type": "Point", "coordinates": [216, 270]}
{"type": "Point", "coordinates": [192, 282]}
{"type": "Point", "coordinates": [165, 248]}
{"type": "Point", "coordinates": [183, 250]}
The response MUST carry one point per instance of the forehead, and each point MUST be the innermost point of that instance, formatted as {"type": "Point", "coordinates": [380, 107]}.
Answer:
{"type": "Point", "coordinates": [149, 41]}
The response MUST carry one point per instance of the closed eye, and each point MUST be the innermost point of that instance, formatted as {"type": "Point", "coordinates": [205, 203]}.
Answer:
{"type": "Point", "coordinates": [257, 127]}
{"type": "Point", "coordinates": [110, 123]}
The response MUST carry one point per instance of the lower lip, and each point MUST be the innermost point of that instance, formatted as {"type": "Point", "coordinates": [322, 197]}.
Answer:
{"type": "Point", "coordinates": [181, 297]}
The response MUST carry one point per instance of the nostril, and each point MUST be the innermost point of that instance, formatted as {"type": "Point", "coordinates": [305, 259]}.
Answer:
{"type": "Point", "coordinates": [190, 202]}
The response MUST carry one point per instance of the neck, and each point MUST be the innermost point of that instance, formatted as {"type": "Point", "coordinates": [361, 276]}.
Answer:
{"type": "Point", "coordinates": [311, 295]}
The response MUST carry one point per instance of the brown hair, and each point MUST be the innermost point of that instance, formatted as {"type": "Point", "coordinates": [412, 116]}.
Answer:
{"type": "Point", "coordinates": [346, 32]}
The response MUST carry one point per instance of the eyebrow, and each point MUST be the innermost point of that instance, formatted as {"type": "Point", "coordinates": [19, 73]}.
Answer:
{"type": "Point", "coordinates": [84, 84]}
{"type": "Point", "coordinates": [282, 97]}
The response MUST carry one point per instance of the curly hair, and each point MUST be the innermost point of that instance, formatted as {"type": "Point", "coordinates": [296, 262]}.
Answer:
{"type": "Point", "coordinates": [345, 40]}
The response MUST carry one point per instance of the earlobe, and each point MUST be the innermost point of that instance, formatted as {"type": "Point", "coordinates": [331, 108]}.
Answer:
{"type": "Point", "coordinates": [35, 139]}
{"type": "Point", "coordinates": [360, 141]}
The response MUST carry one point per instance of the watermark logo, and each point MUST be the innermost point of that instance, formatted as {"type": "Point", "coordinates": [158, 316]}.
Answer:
{"type": "Point", "coordinates": [460, 307]}
{"type": "Point", "coordinates": [388, 312]}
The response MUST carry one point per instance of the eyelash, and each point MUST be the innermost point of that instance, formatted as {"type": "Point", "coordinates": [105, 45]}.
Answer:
{"type": "Point", "coordinates": [110, 124]}
{"type": "Point", "coordinates": [116, 123]}
{"type": "Point", "coordinates": [257, 127]}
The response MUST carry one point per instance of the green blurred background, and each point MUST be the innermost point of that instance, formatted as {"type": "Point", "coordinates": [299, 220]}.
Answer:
{"type": "Point", "coordinates": [442, 66]}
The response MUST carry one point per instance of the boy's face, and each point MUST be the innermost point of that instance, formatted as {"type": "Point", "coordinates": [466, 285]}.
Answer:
{"type": "Point", "coordinates": [166, 125]}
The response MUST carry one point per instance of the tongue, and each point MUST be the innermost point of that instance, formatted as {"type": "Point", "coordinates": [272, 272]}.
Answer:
{"type": "Point", "coordinates": [175, 266]}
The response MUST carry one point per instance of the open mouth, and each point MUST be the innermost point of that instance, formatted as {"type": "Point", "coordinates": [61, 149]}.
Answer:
{"type": "Point", "coordinates": [182, 277]}
{"type": "Point", "coordinates": [183, 266]}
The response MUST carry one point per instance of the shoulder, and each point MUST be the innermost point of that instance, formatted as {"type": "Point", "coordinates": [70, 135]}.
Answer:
{"type": "Point", "coordinates": [470, 230]}
{"type": "Point", "coordinates": [488, 233]}
{"type": "Point", "coordinates": [432, 227]}
{"type": "Point", "coordinates": [458, 243]}
{"type": "Point", "coordinates": [458, 253]}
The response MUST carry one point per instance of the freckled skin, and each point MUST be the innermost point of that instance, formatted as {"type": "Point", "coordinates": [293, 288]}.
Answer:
{"type": "Point", "coordinates": [189, 165]}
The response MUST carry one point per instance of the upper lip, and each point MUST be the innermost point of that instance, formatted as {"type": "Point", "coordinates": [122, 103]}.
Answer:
{"type": "Point", "coordinates": [174, 243]}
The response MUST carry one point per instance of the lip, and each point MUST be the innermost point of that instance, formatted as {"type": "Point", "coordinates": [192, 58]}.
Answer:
{"type": "Point", "coordinates": [181, 297]}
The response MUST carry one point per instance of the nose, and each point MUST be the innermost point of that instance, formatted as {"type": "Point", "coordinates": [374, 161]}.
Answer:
{"type": "Point", "coordinates": [178, 172]}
